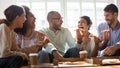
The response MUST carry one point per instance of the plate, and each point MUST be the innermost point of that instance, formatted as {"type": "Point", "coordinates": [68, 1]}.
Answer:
{"type": "Point", "coordinates": [75, 64]}
{"type": "Point", "coordinates": [111, 61]}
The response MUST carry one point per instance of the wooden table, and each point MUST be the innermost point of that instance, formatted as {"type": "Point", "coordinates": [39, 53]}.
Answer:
{"type": "Point", "coordinates": [52, 65]}
{"type": "Point", "coordinates": [47, 66]}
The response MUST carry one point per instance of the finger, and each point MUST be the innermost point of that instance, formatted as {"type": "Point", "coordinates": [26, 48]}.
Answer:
{"type": "Point", "coordinates": [105, 51]}
{"type": "Point", "coordinates": [109, 51]}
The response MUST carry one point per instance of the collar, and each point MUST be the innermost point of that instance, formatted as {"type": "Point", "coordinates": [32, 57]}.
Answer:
{"type": "Point", "coordinates": [117, 27]}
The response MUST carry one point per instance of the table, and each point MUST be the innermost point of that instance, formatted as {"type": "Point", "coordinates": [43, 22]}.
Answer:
{"type": "Point", "coordinates": [52, 65]}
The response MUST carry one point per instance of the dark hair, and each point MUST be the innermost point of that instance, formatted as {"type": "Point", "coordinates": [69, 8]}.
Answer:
{"type": "Point", "coordinates": [89, 22]}
{"type": "Point", "coordinates": [25, 27]}
{"type": "Point", "coordinates": [87, 19]}
{"type": "Point", "coordinates": [11, 12]}
{"type": "Point", "coordinates": [111, 8]}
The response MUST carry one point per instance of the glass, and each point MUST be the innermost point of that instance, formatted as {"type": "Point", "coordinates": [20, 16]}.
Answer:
{"type": "Point", "coordinates": [33, 58]}
{"type": "Point", "coordinates": [83, 54]}
{"type": "Point", "coordinates": [59, 18]}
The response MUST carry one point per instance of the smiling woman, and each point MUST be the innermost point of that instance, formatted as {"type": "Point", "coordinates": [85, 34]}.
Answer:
{"type": "Point", "coordinates": [9, 51]}
{"type": "Point", "coordinates": [85, 40]}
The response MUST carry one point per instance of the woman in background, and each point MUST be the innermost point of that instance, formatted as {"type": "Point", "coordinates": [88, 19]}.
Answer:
{"type": "Point", "coordinates": [85, 40]}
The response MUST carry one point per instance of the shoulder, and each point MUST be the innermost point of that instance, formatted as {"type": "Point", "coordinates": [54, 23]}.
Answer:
{"type": "Point", "coordinates": [104, 24]}
{"type": "Point", "coordinates": [3, 27]}
{"type": "Point", "coordinates": [44, 30]}
{"type": "Point", "coordinates": [64, 29]}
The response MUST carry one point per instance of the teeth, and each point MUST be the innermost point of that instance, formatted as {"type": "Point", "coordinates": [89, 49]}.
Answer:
{"type": "Point", "coordinates": [81, 27]}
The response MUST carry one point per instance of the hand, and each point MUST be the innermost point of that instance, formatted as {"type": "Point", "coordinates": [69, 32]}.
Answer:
{"type": "Point", "coordinates": [110, 50]}
{"type": "Point", "coordinates": [43, 42]}
{"type": "Point", "coordinates": [79, 34]}
{"type": "Point", "coordinates": [56, 54]}
{"type": "Point", "coordinates": [46, 41]}
{"type": "Point", "coordinates": [97, 40]}
{"type": "Point", "coordinates": [85, 40]}
{"type": "Point", "coordinates": [86, 37]}
{"type": "Point", "coordinates": [106, 35]}
{"type": "Point", "coordinates": [42, 39]}
{"type": "Point", "coordinates": [24, 56]}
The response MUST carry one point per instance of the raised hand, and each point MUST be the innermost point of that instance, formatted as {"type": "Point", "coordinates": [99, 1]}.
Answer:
{"type": "Point", "coordinates": [86, 37]}
{"type": "Point", "coordinates": [105, 35]}
{"type": "Point", "coordinates": [79, 34]}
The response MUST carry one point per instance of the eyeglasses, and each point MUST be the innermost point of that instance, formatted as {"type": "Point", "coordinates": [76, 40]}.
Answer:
{"type": "Point", "coordinates": [59, 18]}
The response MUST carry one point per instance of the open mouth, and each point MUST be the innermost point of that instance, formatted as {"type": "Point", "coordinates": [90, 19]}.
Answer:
{"type": "Point", "coordinates": [81, 27]}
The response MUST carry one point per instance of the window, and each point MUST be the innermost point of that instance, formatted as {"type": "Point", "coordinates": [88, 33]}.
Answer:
{"type": "Point", "coordinates": [70, 10]}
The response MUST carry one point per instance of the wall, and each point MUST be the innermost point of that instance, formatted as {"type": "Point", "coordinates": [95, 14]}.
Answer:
{"type": "Point", "coordinates": [118, 4]}
{"type": "Point", "coordinates": [3, 5]}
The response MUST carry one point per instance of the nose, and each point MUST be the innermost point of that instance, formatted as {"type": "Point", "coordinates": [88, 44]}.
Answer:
{"type": "Point", "coordinates": [61, 21]}
{"type": "Point", "coordinates": [25, 19]}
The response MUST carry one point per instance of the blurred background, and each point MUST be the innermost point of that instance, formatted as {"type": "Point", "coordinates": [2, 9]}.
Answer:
{"type": "Point", "coordinates": [70, 10]}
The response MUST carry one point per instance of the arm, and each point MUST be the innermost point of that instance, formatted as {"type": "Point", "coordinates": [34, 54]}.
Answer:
{"type": "Point", "coordinates": [70, 39]}
{"type": "Point", "coordinates": [105, 38]}
{"type": "Point", "coordinates": [111, 50]}
{"type": "Point", "coordinates": [56, 54]}
{"type": "Point", "coordinates": [103, 35]}
{"type": "Point", "coordinates": [7, 46]}
{"type": "Point", "coordinates": [95, 50]}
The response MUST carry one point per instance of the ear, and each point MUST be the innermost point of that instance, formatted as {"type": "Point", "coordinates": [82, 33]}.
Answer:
{"type": "Point", "coordinates": [89, 26]}
{"type": "Point", "coordinates": [116, 14]}
{"type": "Point", "coordinates": [17, 17]}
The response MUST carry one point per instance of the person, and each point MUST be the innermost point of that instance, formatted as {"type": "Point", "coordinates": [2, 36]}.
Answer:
{"type": "Point", "coordinates": [27, 36]}
{"type": "Point", "coordinates": [58, 35]}
{"type": "Point", "coordinates": [10, 56]}
{"type": "Point", "coordinates": [85, 40]}
{"type": "Point", "coordinates": [109, 32]}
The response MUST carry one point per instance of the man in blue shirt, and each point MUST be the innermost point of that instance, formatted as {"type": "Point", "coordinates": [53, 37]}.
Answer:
{"type": "Point", "coordinates": [109, 32]}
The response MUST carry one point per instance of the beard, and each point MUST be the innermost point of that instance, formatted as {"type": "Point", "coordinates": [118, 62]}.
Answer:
{"type": "Point", "coordinates": [56, 27]}
{"type": "Point", "coordinates": [110, 22]}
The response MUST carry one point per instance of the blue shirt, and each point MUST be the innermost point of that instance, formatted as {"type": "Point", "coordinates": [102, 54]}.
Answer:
{"type": "Point", "coordinates": [114, 34]}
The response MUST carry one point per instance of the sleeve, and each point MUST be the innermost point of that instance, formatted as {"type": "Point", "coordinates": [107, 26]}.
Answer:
{"type": "Point", "coordinates": [6, 45]}
{"type": "Point", "coordinates": [70, 39]}
{"type": "Point", "coordinates": [3, 41]}
{"type": "Point", "coordinates": [49, 47]}
{"type": "Point", "coordinates": [99, 30]}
